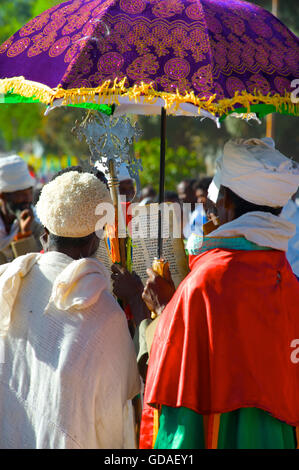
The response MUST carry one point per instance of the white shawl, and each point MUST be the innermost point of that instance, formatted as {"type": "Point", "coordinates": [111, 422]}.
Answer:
{"type": "Point", "coordinates": [262, 228]}
{"type": "Point", "coordinates": [74, 368]}
{"type": "Point", "coordinates": [78, 286]}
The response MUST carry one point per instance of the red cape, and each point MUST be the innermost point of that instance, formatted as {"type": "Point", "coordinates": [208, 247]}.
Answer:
{"type": "Point", "coordinates": [224, 340]}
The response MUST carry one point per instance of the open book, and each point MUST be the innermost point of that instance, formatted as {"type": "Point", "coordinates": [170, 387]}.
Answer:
{"type": "Point", "coordinates": [144, 233]}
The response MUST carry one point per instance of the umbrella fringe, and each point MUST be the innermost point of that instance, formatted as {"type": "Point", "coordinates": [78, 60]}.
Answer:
{"type": "Point", "coordinates": [109, 93]}
{"type": "Point", "coordinates": [28, 89]}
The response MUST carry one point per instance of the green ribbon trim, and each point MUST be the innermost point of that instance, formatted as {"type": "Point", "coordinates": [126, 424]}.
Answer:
{"type": "Point", "coordinates": [261, 110]}
{"type": "Point", "coordinates": [12, 98]}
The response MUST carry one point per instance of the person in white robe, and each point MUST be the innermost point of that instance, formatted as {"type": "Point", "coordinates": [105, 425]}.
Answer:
{"type": "Point", "coordinates": [68, 370]}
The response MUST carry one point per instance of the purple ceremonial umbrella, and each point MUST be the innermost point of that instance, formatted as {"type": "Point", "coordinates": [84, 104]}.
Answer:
{"type": "Point", "coordinates": [188, 57]}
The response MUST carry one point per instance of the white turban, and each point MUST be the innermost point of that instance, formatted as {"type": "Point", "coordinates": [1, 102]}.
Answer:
{"type": "Point", "coordinates": [257, 172]}
{"type": "Point", "coordinates": [67, 205]}
{"type": "Point", "coordinates": [215, 184]}
{"type": "Point", "coordinates": [14, 174]}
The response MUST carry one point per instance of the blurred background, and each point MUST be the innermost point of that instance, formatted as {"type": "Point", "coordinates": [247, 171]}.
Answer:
{"type": "Point", "coordinates": [48, 145]}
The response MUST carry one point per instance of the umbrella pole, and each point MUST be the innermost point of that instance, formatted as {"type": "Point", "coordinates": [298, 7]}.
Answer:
{"type": "Point", "coordinates": [159, 265]}
{"type": "Point", "coordinates": [162, 179]}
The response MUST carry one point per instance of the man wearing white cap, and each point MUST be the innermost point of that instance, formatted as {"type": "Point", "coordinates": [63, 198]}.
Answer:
{"type": "Point", "coordinates": [224, 364]}
{"type": "Point", "coordinates": [69, 368]}
{"type": "Point", "coordinates": [17, 225]}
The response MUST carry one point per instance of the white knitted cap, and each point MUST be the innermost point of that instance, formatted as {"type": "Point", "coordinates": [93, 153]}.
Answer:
{"type": "Point", "coordinates": [67, 204]}
{"type": "Point", "coordinates": [14, 174]}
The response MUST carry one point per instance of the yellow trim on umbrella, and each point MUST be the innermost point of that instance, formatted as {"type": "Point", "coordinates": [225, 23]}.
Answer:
{"type": "Point", "coordinates": [27, 89]}
{"type": "Point", "coordinates": [111, 91]}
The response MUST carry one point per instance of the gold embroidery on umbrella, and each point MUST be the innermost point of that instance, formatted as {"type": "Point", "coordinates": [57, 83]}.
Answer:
{"type": "Point", "coordinates": [143, 67]}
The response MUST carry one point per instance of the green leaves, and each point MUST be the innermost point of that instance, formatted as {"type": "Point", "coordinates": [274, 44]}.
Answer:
{"type": "Point", "coordinates": [19, 122]}
{"type": "Point", "coordinates": [180, 163]}
{"type": "Point", "coordinates": [15, 14]}
{"type": "Point", "coordinates": [38, 6]}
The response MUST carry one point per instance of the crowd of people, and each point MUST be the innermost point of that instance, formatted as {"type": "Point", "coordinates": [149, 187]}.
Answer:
{"type": "Point", "coordinates": [215, 367]}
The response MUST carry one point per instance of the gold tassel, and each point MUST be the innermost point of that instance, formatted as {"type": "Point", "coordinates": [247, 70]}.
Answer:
{"type": "Point", "coordinates": [112, 91]}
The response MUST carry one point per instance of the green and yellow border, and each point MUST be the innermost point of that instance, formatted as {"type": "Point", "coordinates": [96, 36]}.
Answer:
{"type": "Point", "coordinates": [20, 90]}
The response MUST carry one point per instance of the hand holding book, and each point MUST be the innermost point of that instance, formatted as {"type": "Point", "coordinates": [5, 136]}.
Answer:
{"type": "Point", "coordinates": [158, 290]}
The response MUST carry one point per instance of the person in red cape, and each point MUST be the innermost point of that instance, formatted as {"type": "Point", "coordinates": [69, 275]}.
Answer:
{"type": "Point", "coordinates": [223, 369]}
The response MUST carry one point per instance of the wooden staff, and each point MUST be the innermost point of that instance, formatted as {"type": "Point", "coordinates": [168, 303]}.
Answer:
{"type": "Point", "coordinates": [119, 244]}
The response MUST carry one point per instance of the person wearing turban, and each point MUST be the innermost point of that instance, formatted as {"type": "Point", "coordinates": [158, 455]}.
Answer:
{"type": "Point", "coordinates": [69, 371]}
{"type": "Point", "coordinates": [223, 368]}
{"type": "Point", "coordinates": [19, 232]}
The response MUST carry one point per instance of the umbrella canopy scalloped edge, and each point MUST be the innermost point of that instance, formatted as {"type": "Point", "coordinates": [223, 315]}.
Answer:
{"type": "Point", "coordinates": [18, 89]}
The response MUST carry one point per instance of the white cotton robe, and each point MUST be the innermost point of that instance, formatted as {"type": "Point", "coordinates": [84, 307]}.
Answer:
{"type": "Point", "coordinates": [69, 374]}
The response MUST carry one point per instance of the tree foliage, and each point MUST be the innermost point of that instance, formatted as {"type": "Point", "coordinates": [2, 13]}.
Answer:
{"type": "Point", "coordinates": [178, 160]}
{"type": "Point", "coordinates": [13, 15]}
{"type": "Point", "coordinates": [20, 122]}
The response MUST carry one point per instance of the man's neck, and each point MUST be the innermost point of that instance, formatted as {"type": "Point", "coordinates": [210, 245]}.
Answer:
{"type": "Point", "coordinates": [65, 251]}
{"type": "Point", "coordinates": [71, 252]}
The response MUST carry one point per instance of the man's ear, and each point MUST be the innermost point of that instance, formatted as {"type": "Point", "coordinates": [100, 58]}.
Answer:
{"type": "Point", "coordinates": [44, 239]}
{"type": "Point", "coordinates": [228, 205]}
